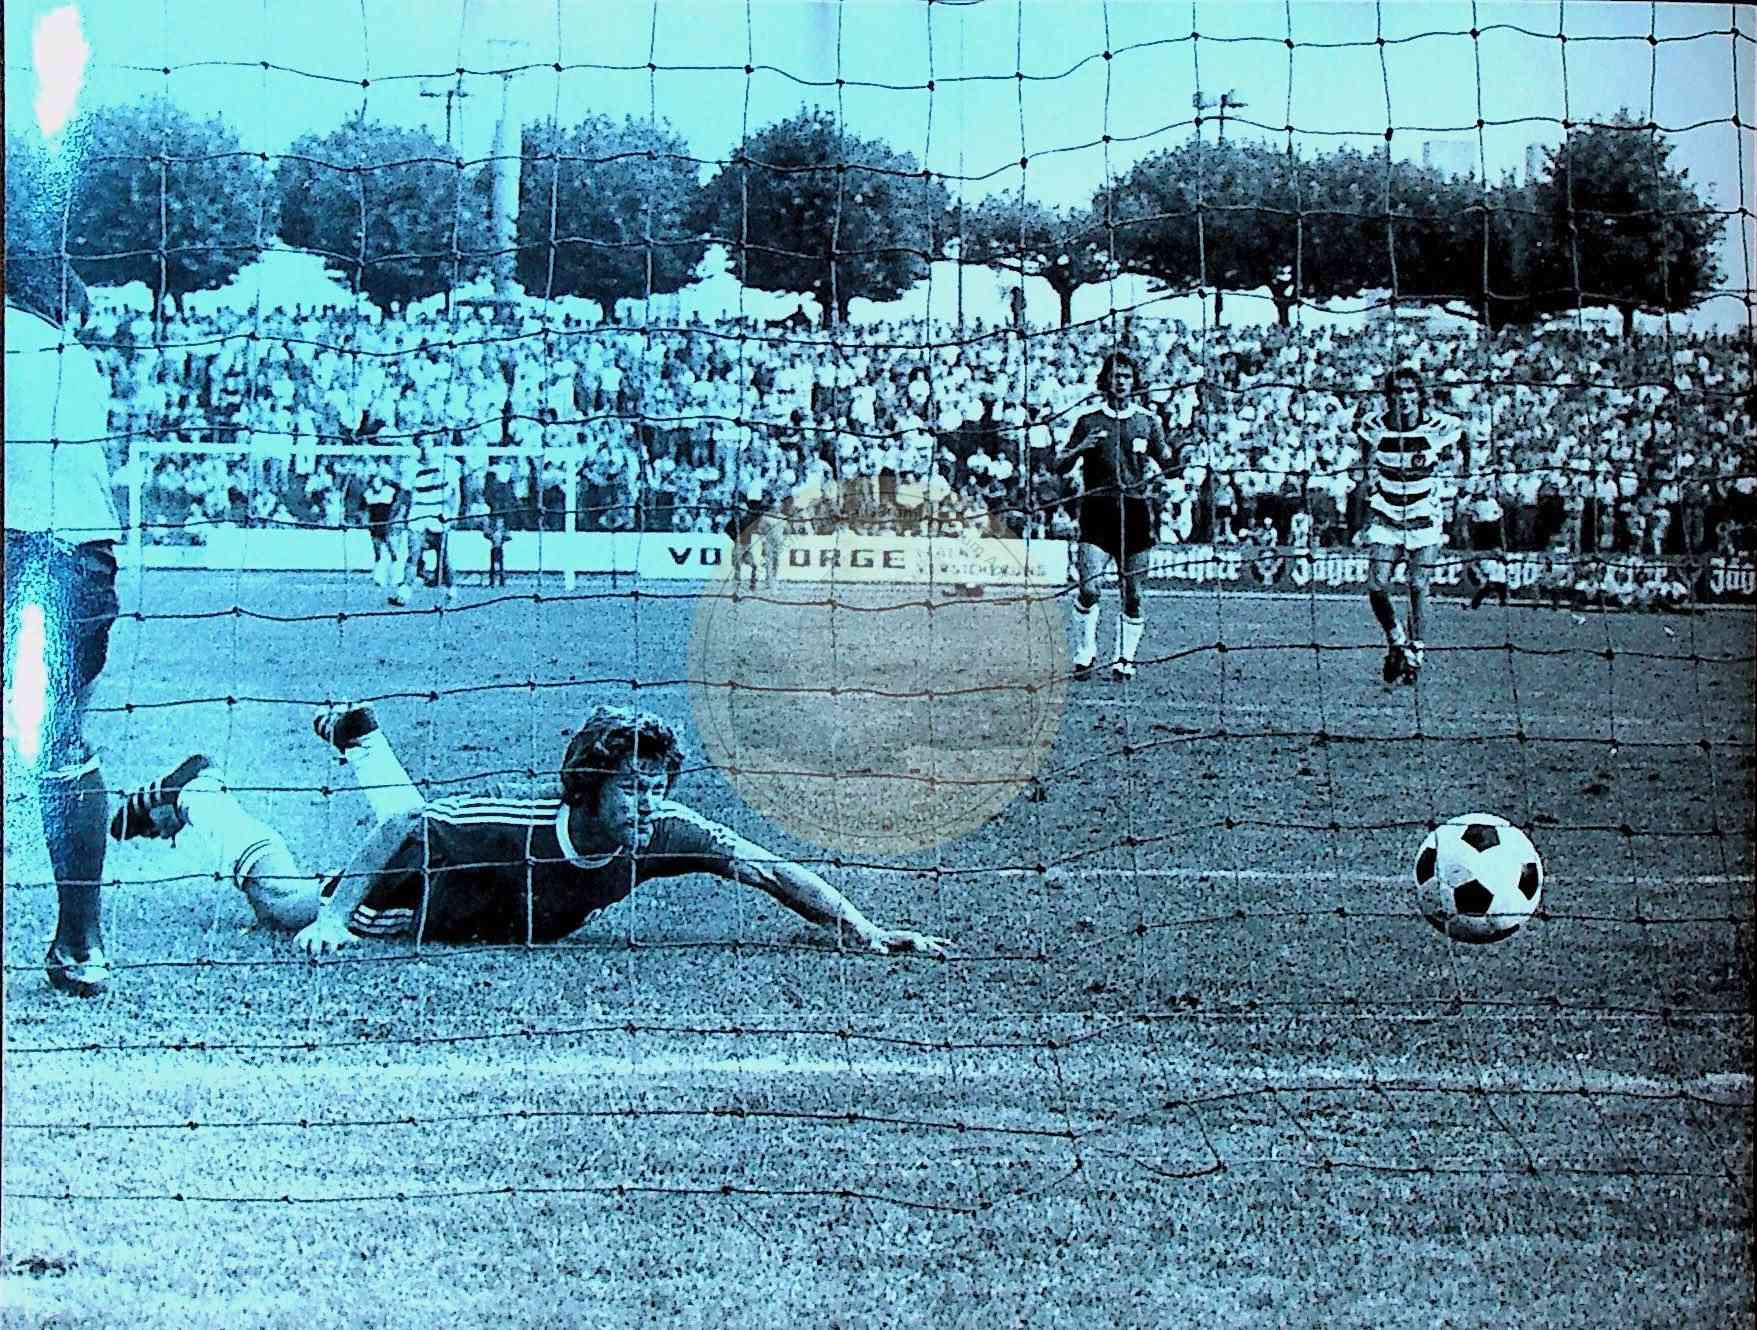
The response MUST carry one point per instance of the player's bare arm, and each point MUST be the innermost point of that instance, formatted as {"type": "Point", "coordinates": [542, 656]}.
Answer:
{"type": "Point", "coordinates": [811, 897]}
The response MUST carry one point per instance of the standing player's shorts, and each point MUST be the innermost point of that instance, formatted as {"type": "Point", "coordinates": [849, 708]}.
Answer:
{"type": "Point", "coordinates": [1121, 527]}
{"type": "Point", "coordinates": [75, 588]}
{"type": "Point", "coordinates": [378, 522]}
{"type": "Point", "coordinates": [1416, 527]}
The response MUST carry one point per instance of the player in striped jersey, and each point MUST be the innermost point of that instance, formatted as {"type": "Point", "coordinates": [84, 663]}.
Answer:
{"type": "Point", "coordinates": [491, 868]}
{"type": "Point", "coordinates": [434, 489]}
{"type": "Point", "coordinates": [1403, 446]}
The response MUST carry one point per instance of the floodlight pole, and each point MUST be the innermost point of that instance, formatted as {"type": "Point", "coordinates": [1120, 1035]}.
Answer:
{"type": "Point", "coordinates": [504, 209]}
{"type": "Point", "coordinates": [1227, 101]}
{"type": "Point", "coordinates": [451, 94]}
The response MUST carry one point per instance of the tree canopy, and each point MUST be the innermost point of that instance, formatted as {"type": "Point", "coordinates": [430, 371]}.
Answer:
{"type": "Point", "coordinates": [622, 199]}
{"type": "Point", "coordinates": [1625, 227]}
{"type": "Point", "coordinates": [163, 198]}
{"type": "Point", "coordinates": [391, 210]}
{"type": "Point", "coordinates": [806, 207]}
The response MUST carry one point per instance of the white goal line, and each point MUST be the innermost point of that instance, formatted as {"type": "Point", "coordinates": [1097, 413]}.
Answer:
{"type": "Point", "coordinates": [1343, 707]}
{"type": "Point", "coordinates": [1174, 1078]}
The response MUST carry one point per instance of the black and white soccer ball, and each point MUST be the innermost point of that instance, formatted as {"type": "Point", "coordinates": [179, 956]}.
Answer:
{"type": "Point", "coordinates": [1478, 878]}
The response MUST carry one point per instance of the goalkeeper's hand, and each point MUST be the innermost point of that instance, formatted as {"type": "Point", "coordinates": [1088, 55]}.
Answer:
{"type": "Point", "coordinates": [902, 942]}
{"type": "Point", "coordinates": [325, 936]}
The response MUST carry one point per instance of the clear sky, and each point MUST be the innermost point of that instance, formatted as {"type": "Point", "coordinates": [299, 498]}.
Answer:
{"type": "Point", "coordinates": [1430, 80]}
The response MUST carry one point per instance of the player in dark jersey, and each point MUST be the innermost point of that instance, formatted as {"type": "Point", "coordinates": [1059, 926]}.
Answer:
{"type": "Point", "coordinates": [490, 868]}
{"type": "Point", "coordinates": [498, 497]}
{"type": "Point", "coordinates": [1121, 452]}
{"type": "Point", "coordinates": [381, 498]}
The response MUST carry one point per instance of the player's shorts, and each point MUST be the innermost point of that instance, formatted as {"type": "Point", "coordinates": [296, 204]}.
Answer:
{"type": "Point", "coordinates": [392, 906]}
{"type": "Point", "coordinates": [1417, 527]}
{"type": "Point", "coordinates": [75, 585]}
{"type": "Point", "coordinates": [1121, 527]}
{"type": "Point", "coordinates": [410, 899]}
{"type": "Point", "coordinates": [378, 522]}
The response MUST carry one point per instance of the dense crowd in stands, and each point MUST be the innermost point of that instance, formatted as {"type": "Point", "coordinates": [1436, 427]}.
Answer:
{"type": "Point", "coordinates": [1576, 441]}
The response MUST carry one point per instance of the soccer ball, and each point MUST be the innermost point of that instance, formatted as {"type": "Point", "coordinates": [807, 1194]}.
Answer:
{"type": "Point", "coordinates": [1478, 878]}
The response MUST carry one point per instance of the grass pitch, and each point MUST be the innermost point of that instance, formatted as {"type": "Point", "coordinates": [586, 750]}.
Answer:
{"type": "Point", "coordinates": [1197, 1058]}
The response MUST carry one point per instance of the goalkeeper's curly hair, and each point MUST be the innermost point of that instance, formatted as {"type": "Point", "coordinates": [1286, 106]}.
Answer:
{"type": "Point", "coordinates": [607, 736]}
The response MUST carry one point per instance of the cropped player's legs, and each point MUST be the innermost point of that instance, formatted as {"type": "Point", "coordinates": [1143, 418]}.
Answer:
{"type": "Point", "coordinates": [1135, 541]}
{"type": "Point", "coordinates": [74, 804]}
{"type": "Point", "coordinates": [1090, 564]}
{"type": "Point", "coordinates": [1421, 562]}
{"type": "Point", "coordinates": [59, 606]}
{"type": "Point", "coordinates": [441, 543]}
{"type": "Point", "coordinates": [496, 550]}
{"type": "Point", "coordinates": [774, 533]}
{"type": "Point", "coordinates": [397, 573]}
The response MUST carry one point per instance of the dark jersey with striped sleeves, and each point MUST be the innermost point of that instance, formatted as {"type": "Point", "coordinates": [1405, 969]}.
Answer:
{"type": "Point", "coordinates": [504, 870]}
{"type": "Point", "coordinates": [1113, 449]}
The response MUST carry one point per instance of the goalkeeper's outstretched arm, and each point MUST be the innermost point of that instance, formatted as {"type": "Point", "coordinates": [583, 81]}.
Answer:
{"type": "Point", "coordinates": [690, 843]}
{"type": "Point", "coordinates": [811, 897]}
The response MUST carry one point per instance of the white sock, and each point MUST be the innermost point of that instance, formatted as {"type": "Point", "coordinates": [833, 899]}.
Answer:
{"type": "Point", "coordinates": [252, 854]}
{"type": "Point", "coordinates": [1086, 622]}
{"type": "Point", "coordinates": [1128, 636]}
{"type": "Point", "coordinates": [381, 570]}
{"type": "Point", "coordinates": [381, 777]}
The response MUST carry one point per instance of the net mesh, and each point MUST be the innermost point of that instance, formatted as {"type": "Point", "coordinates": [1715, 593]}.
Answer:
{"type": "Point", "coordinates": [727, 285]}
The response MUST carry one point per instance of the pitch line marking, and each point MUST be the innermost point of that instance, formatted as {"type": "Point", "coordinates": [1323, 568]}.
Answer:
{"type": "Point", "coordinates": [1172, 706]}
{"type": "Point", "coordinates": [1370, 879]}
{"type": "Point", "coordinates": [1202, 1077]}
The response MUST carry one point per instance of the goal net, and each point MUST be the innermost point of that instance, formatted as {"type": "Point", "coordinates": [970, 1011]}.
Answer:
{"type": "Point", "coordinates": [764, 360]}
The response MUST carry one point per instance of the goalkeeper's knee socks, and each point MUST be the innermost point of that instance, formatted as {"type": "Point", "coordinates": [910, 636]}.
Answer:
{"type": "Point", "coordinates": [75, 809]}
{"type": "Point", "coordinates": [252, 853]}
{"type": "Point", "coordinates": [381, 777]}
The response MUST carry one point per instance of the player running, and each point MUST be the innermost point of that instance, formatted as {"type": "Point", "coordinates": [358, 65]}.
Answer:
{"type": "Point", "coordinates": [61, 528]}
{"type": "Point", "coordinates": [1403, 446]}
{"type": "Point", "coordinates": [1120, 448]}
{"type": "Point", "coordinates": [489, 868]}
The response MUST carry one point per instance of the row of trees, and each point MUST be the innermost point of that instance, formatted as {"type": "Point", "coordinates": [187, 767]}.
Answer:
{"type": "Point", "coordinates": [610, 210]}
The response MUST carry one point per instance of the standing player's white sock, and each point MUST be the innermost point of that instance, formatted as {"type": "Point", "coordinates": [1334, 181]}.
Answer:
{"type": "Point", "coordinates": [252, 853]}
{"type": "Point", "coordinates": [1128, 636]}
{"type": "Point", "coordinates": [1086, 624]}
{"type": "Point", "coordinates": [381, 777]}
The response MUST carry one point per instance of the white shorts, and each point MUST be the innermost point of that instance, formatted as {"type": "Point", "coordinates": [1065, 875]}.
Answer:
{"type": "Point", "coordinates": [1418, 527]}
